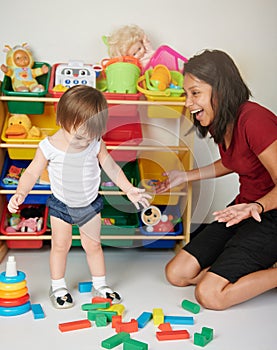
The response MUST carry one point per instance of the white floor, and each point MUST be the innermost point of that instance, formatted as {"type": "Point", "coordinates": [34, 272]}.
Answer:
{"type": "Point", "coordinates": [138, 274]}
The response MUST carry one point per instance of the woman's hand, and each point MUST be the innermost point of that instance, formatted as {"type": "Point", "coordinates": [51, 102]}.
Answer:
{"type": "Point", "coordinates": [174, 178]}
{"type": "Point", "coordinates": [15, 202]}
{"type": "Point", "coordinates": [236, 213]}
{"type": "Point", "coordinates": [138, 196]}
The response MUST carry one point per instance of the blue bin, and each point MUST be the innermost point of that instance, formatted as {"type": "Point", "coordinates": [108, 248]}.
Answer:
{"type": "Point", "coordinates": [31, 198]}
{"type": "Point", "coordinates": [163, 243]}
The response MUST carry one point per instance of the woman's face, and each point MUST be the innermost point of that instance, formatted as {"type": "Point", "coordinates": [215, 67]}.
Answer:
{"type": "Point", "coordinates": [198, 99]}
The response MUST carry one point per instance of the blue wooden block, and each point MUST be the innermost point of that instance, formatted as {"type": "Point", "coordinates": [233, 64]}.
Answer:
{"type": "Point", "coordinates": [143, 319]}
{"type": "Point", "coordinates": [187, 320]}
{"type": "Point", "coordinates": [85, 287]}
{"type": "Point", "coordinates": [37, 311]}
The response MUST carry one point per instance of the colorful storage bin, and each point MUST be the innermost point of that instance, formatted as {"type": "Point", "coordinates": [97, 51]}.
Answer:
{"type": "Point", "coordinates": [172, 59]}
{"type": "Point", "coordinates": [24, 244]}
{"type": "Point", "coordinates": [125, 224]}
{"type": "Point", "coordinates": [122, 110]}
{"type": "Point", "coordinates": [163, 110]}
{"type": "Point", "coordinates": [125, 132]}
{"type": "Point", "coordinates": [164, 243]}
{"type": "Point", "coordinates": [46, 122]}
{"type": "Point", "coordinates": [31, 198]}
{"type": "Point", "coordinates": [131, 171]}
{"type": "Point", "coordinates": [27, 107]}
{"type": "Point", "coordinates": [152, 165]}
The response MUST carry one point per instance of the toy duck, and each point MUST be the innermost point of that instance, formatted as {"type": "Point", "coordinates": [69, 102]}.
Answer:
{"type": "Point", "coordinates": [20, 127]}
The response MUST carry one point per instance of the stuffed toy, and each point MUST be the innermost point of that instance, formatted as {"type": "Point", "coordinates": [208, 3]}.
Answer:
{"type": "Point", "coordinates": [129, 40]}
{"type": "Point", "coordinates": [19, 62]}
{"type": "Point", "coordinates": [155, 221]}
{"type": "Point", "coordinates": [30, 220]}
{"type": "Point", "coordinates": [20, 127]}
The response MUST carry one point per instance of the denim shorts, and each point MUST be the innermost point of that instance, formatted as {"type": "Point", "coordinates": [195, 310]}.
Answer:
{"type": "Point", "coordinates": [74, 216]}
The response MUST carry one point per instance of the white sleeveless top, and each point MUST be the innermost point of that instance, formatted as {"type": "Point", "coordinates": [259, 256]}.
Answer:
{"type": "Point", "coordinates": [74, 177]}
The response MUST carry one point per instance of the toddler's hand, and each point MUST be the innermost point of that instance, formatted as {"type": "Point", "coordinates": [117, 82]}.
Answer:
{"type": "Point", "coordinates": [138, 195]}
{"type": "Point", "coordinates": [15, 202]}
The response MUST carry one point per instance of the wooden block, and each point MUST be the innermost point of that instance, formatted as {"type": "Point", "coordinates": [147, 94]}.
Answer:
{"type": "Point", "coordinates": [128, 327]}
{"type": "Point", "coordinates": [158, 316]}
{"type": "Point", "coordinates": [144, 318]}
{"type": "Point", "coordinates": [115, 340]}
{"type": "Point", "coordinates": [37, 311]}
{"type": "Point", "coordinates": [165, 327]}
{"type": "Point", "coordinates": [74, 325]}
{"type": "Point", "coordinates": [85, 287]}
{"type": "Point", "coordinates": [173, 335]}
{"type": "Point", "coordinates": [90, 306]}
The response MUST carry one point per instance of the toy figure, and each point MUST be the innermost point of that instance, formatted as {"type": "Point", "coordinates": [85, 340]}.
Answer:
{"type": "Point", "coordinates": [129, 40]}
{"type": "Point", "coordinates": [20, 61]}
{"type": "Point", "coordinates": [155, 221]}
{"type": "Point", "coordinates": [20, 127]}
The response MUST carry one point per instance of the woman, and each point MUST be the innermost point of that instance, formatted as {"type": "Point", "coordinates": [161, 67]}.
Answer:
{"type": "Point", "coordinates": [230, 260]}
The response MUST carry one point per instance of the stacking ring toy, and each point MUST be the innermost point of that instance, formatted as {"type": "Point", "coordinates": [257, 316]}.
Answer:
{"type": "Point", "coordinates": [15, 302]}
{"type": "Point", "coordinates": [13, 294]}
{"type": "Point", "coordinates": [16, 310]}
{"type": "Point", "coordinates": [12, 279]}
{"type": "Point", "coordinates": [12, 286]}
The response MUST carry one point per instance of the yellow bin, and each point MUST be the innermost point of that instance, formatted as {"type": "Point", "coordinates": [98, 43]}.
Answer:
{"type": "Point", "coordinates": [152, 165]}
{"type": "Point", "coordinates": [46, 122]}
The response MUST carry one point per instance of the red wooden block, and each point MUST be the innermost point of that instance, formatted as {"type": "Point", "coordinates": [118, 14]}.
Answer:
{"type": "Point", "coordinates": [172, 335]}
{"type": "Point", "coordinates": [74, 325]}
{"type": "Point", "coordinates": [165, 326]}
{"type": "Point", "coordinates": [98, 300]}
{"type": "Point", "coordinates": [115, 320]}
{"type": "Point", "coordinates": [128, 327]}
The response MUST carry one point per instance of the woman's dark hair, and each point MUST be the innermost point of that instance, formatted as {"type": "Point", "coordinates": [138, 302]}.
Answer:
{"type": "Point", "coordinates": [229, 91]}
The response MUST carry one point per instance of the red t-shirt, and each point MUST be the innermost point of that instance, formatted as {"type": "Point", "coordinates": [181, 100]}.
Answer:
{"type": "Point", "coordinates": [255, 130]}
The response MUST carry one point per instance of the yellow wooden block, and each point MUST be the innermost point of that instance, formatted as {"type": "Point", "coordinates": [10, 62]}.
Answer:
{"type": "Point", "coordinates": [119, 308]}
{"type": "Point", "coordinates": [158, 316]}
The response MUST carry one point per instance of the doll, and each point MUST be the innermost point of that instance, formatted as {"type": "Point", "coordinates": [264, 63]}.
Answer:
{"type": "Point", "coordinates": [19, 62]}
{"type": "Point", "coordinates": [129, 40]}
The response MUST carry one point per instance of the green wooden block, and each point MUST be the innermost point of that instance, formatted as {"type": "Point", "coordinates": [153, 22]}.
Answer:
{"type": "Point", "coordinates": [115, 340]}
{"type": "Point", "coordinates": [101, 320]}
{"type": "Point", "coordinates": [90, 306]}
{"type": "Point", "coordinates": [109, 314]}
{"type": "Point", "coordinates": [132, 344]}
{"type": "Point", "coordinates": [204, 337]}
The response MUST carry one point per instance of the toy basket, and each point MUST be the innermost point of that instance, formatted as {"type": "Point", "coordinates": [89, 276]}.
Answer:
{"type": "Point", "coordinates": [31, 198]}
{"type": "Point", "coordinates": [122, 74]}
{"type": "Point", "coordinates": [173, 210]}
{"type": "Point", "coordinates": [47, 124]}
{"type": "Point", "coordinates": [26, 107]}
{"type": "Point", "coordinates": [172, 59]}
{"type": "Point", "coordinates": [161, 111]}
{"type": "Point", "coordinates": [152, 165]}
{"type": "Point", "coordinates": [27, 244]}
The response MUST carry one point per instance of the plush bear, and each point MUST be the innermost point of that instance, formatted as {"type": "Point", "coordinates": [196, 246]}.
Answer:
{"type": "Point", "coordinates": [19, 62]}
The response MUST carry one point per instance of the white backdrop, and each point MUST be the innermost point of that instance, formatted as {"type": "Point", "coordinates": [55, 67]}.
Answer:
{"type": "Point", "coordinates": [61, 30]}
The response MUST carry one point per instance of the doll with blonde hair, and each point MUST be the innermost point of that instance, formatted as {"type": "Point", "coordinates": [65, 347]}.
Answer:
{"type": "Point", "coordinates": [129, 40]}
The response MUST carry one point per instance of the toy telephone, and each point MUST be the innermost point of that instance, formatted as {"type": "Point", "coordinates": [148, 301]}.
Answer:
{"type": "Point", "coordinates": [75, 73]}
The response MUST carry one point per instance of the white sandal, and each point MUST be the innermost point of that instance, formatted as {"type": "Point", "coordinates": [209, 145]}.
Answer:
{"type": "Point", "coordinates": [64, 302]}
{"type": "Point", "coordinates": [114, 296]}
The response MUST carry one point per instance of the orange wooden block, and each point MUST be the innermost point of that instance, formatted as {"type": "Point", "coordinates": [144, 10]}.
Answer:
{"type": "Point", "coordinates": [97, 300]}
{"type": "Point", "coordinates": [165, 326]}
{"type": "Point", "coordinates": [115, 320]}
{"type": "Point", "coordinates": [128, 327]}
{"type": "Point", "coordinates": [172, 335]}
{"type": "Point", "coordinates": [74, 325]}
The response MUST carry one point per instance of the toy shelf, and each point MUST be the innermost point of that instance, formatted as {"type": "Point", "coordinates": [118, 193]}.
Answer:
{"type": "Point", "coordinates": [187, 159]}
